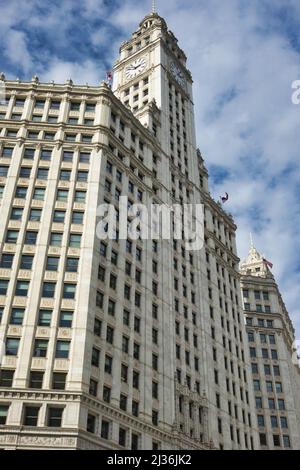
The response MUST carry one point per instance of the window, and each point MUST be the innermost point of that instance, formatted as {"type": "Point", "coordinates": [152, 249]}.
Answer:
{"type": "Point", "coordinates": [25, 172]}
{"type": "Point", "coordinates": [55, 417]}
{"type": "Point", "coordinates": [91, 423]}
{"type": "Point", "coordinates": [269, 386]}
{"type": "Point", "coordinates": [271, 403]}
{"type": "Point", "coordinates": [124, 373]}
{"type": "Point", "coordinates": [12, 346]}
{"type": "Point", "coordinates": [274, 421]}
{"type": "Point", "coordinates": [48, 290]}
{"type": "Point", "coordinates": [111, 307]}
{"type": "Point", "coordinates": [261, 421]}
{"type": "Point", "coordinates": [31, 414]}
{"type": "Point", "coordinates": [55, 105]}
{"type": "Point", "coordinates": [35, 215]}
{"type": "Point", "coordinates": [59, 381]}
{"type": "Point", "coordinates": [97, 327]}
{"type": "Point", "coordinates": [281, 404]}
{"type": "Point", "coordinates": [99, 299]}
{"type": "Point", "coordinates": [252, 352]}
{"type": "Point", "coordinates": [283, 422]}
{"type": "Point", "coordinates": [66, 319]}
{"type": "Point", "coordinates": [95, 357]}
{"type": "Point", "coordinates": [12, 236]}
{"type": "Point", "coordinates": [45, 318]}
{"type": "Point", "coordinates": [49, 136]}
{"type": "Point", "coordinates": [17, 315]}
{"type": "Point", "coordinates": [62, 349]}
{"type": "Point", "coordinates": [94, 388]}
{"type": "Point", "coordinates": [52, 263]}
{"type": "Point", "coordinates": [263, 439]}
{"type": "Point", "coordinates": [6, 379]}
{"type": "Point", "coordinates": [30, 238]}
{"type": "Point", "coordinates": [278, 386]}
{"type": "Point", "coordinates": [135, 408]}
{"type": "Point", "coordinates": [276, 440]}
{"type": "Point", "coordinates": [69, 291]}
{"type": "Point", "coordinates": [6, 261]}
{"type": "Point", "coordinates": [3, 414]}
{"type": "Point", "coordinates": [7, 152]}
{"type": "Point", "coordinates": [82, 176]}
{"type": "Point", "coordinates": [3, 287]}
{"type": "Point", "coordinates": [135, 379]}
{"type": "Point", "coordinates": [65, 175]}
{"type": "Point", "coordinates": [84, 157]}
{"type": "Point", "coordinates": [90, 107]}
{"type": "Point", "coordinates": [59, 217]}
{"type": "Point", "coordinates": [276, 371]}
{"type": "Point", "coordinates": [56, 239]}
{"type": "Point", "coordinates": [106, 394]}
{"type": "Point", "coordinates": [21, 192]}
{"type": "Point", "coordinates": [40, 348]}
{"type": "Point", "coordinates": [274, 354]}
{"type": "Point", "coordinates": [77, 218]}
{"type": "Point", "coordinates": [123, 402]}
{"type": "Point", "coordinates": [286, 441]}
{"type": "Point", "coordinates": [46, 155]}
{"type": "Point", "coordinates": [39, 194]}
{"type": "Point", "coordinates": [109, 335]}
{"type": "Point", "coordinates": [16, 214]}
{"type": "Point", "coordinates": [62, 195]}
{"type": "Point", "coordinates": [258, 403]}
{"type": "Point", "coordinates": [155, 418]}
{"type": "Point", "coordinates": [265, 353]}
{"type": "Point", "coordinates": [105, 425]}
{"type": "Point", "coordinates": [36, 379]}
{"type": "Point", "coordinates": [122, 437]}
{"type": "Point", "coordinates": [42, 174]}
{"type": "Point", "coordinates": [108, 364]}
{"type": "Point", "coordinates": [26, 262]}
{"type": "Point", "coordinates": [75, 240]}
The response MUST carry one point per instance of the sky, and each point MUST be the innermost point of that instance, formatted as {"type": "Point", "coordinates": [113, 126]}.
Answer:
{"type": "Point", "coordinates": [243, 56]}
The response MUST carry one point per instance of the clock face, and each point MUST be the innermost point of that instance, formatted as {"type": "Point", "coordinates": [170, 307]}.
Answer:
{"type": "Point", "coordinates": [135, 68]}
{"type": "Point", "coordinates": [178, 74]}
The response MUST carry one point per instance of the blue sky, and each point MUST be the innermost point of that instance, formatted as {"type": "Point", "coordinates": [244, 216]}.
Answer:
{"type": "Point", "coordinates": [244, 57]}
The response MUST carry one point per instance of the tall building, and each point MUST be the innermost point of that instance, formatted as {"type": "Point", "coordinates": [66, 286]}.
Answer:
{"type": "Point", "coordinates": [274, 362]}
{"type": "Point", "coordinates": [118, 343]}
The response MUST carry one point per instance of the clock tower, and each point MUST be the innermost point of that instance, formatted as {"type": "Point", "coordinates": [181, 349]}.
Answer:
{"type": "Point", "coordinates": [151, 70]}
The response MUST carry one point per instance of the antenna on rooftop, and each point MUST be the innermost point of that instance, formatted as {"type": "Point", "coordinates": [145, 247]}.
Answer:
{"type": "Point", "coordinates": [154, 6]}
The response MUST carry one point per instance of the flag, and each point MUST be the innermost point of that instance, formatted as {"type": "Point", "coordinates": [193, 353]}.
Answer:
{"type": "Point", "coordinates": [268, 263]}
{"type": "Point", "coordinates": [225, 198]}
{"type": "Point", "coordinates": [109, 76]}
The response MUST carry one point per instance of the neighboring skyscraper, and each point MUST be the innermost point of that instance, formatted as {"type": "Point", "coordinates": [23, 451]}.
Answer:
{"type": "Point", "coordinates": [275, 368]}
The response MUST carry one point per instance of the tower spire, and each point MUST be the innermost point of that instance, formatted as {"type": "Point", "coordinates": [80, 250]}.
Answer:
{"type": "Point", "coordinates": [154, 6]}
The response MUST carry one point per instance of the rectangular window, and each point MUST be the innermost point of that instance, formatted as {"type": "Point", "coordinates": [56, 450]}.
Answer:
{"type": "Point", "coordinates": [62, 195]}
{"type": "Point", "coordinates": [39, 194]}
{"type": "Point", "coordinates": [30, 238]}
{"type": "Point", "coordinates": [75, 240]}
{"type": "Point", "coordinates": [77, 218]}
{"type": "Point", "coordinates": [12, 346]}
{"type": "Point", "coordinates": [105, 429]}
{"type": "Point", "coordinates": [17, 315]}
{"type": "Point", "coordinates": [6, 261]}
{"type": "Point", "coordinates": [95, 357]}
{"type": "Point", "coordinates": [69, 291]}
{"type": "Point", "coordinates": [6, 378]}
{"type": "Point", "coordinates": [66, 319]}
{"type": "Point", "coordinates": [59, 217]}
{"type": "Point", "coordinates": [52, 263]}
{"type": "Point", "coordinates": [72, 265]}
{"type": "Point", "coordinates": [36, 380]}
{"type": "Point", "coordinates": [65, 175]}
{"type": "Point", "coordinates": [42, 174]}
{"type": "Point", "coordinates": [59, 381]}
{"type": "Point", "coordinates": [12, 236]}
{"type": "Point", "coordinates": [16, 214]}
{"type": "Point", "coordinates": [45, 318]}
{"type": "Point", "coordinates": [55, 417]}
{"type": "Point", "coordinates": [35, 215]}
{"type": "Point", "coordinates": [56, 239]}
{"type": "Point", "coordinates": [48, 290]}
{"type": "Point", "coordinates": [31, 414]}
{"type": "Point", "coordinates": [46, 155]}
{"type": "Point", "coordinates": [93, 390]}
{"type": "Point", "coordinates": [62, 349]}
{"type": "Point", "coordinates": [40, 348]}
{"type": "Point", "coordinates": [108, 364]}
